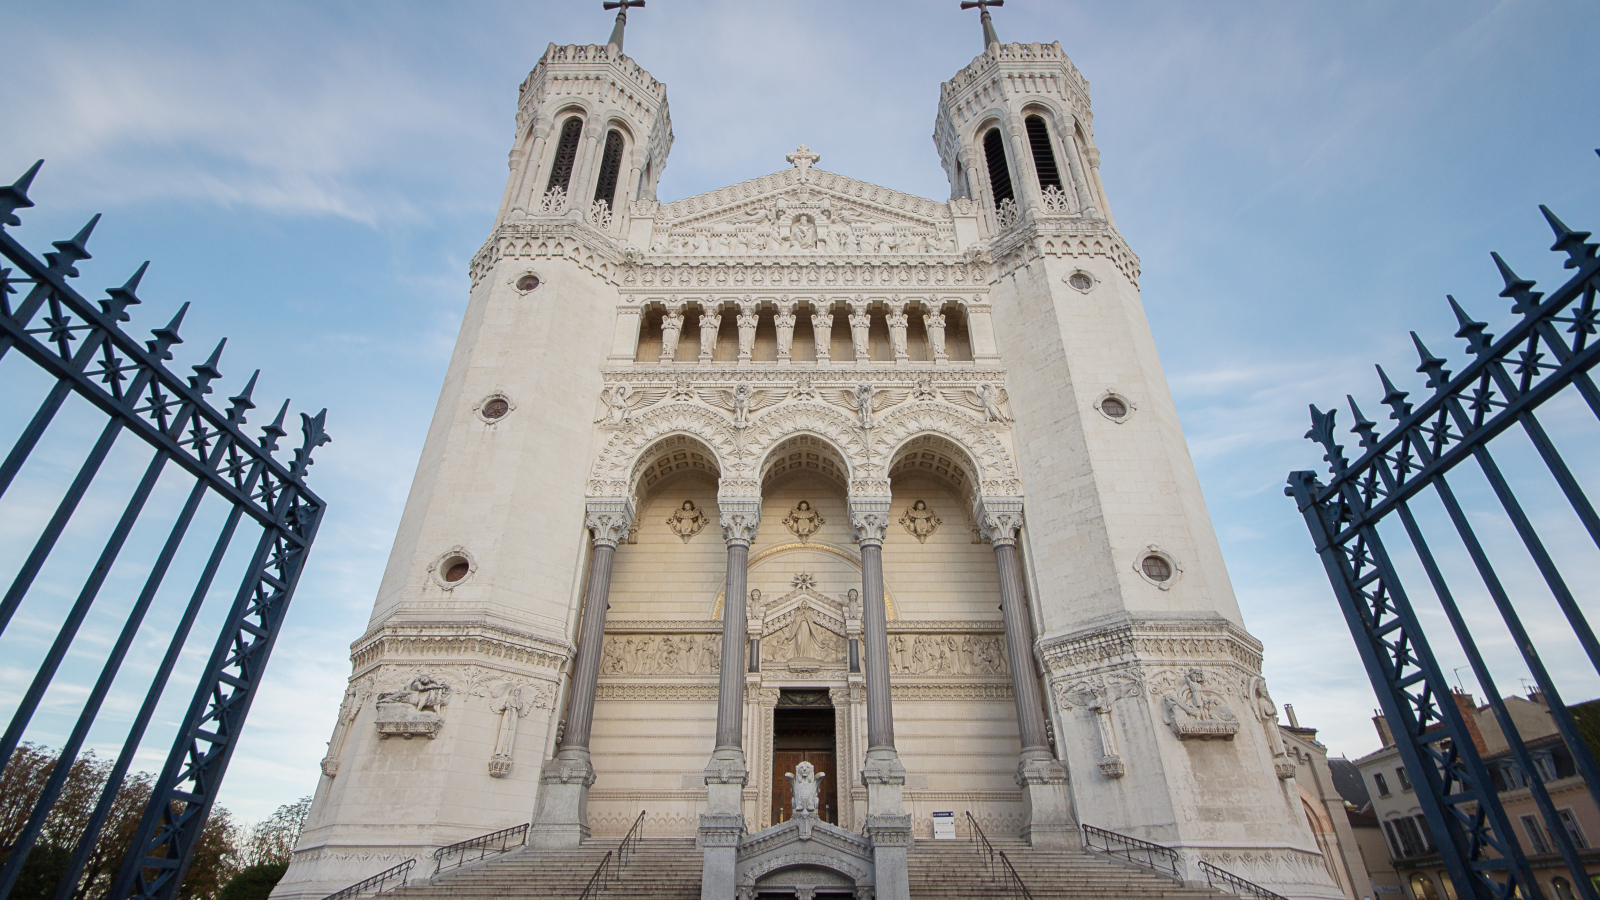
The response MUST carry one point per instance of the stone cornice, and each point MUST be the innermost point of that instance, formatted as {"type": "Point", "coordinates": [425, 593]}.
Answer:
{"type": "Point", "coordinates": [886, 201]}
{"type": "Point", "coordinates": [841, 375]}
{"type": "Point", "coordinates": [401, 642]}
{"type": "Point", "coordinates": [1035, 56]}
{"type": "Point", "coordinates": [1064, 237]}
{"type": "Point", "coordinates": [1151, 640]}
{"type": "Point", "coordinates": [548, 237]}
{"type": "Point", "coordinates": [812, 274]}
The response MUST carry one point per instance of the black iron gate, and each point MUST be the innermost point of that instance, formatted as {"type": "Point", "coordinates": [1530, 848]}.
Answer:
{"type": "Point", "coordinates": [1549, 349]}
{"type": "Point", "coordinates": [82, 347]}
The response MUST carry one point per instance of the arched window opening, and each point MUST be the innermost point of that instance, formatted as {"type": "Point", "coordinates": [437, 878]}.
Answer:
{"type": "Point", "coordinates": [605, 187]}
{"type": "Point", "coordinates": [566, 154]}
{"type": "Point", "coordinates": [994, 153]}
{"type": "Point", "coordinates": [1044, 156]}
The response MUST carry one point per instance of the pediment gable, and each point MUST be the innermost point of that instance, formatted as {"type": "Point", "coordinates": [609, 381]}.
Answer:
{"type": "Point", "coordinates": [796, 186]}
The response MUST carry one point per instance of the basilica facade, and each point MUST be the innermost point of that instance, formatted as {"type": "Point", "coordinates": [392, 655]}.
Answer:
{"type": "Point", "coordinates": [806, 470]}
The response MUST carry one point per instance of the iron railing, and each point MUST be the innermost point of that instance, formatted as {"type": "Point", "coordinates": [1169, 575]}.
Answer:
{"type": "Point", "coordinates": [610, 868]}
{"type": "Point", "coordinates": [1015, 888]}
{"type": "Point", "coordinates": [980, 842]}
{"type": "Point", "coordinates": [80, 348]}
{"type": "Point", "coordinates": [1548, 348]}
{"type": "Point", "coordinates": [480, 847]}
{"type": "Point", "coordinates": [387, 880]}
{"type": "Point", "coordinates": [1131, 849]}
{"type": "Point", "coordinates": [1229, 883]}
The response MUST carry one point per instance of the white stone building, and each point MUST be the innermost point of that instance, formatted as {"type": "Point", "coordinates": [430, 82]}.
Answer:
{"type": "Point", "coordinates": [806, 469]}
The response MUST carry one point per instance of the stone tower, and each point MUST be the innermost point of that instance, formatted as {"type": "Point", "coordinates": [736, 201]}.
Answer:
{"type": "Point", "coordinates": [805, 475]}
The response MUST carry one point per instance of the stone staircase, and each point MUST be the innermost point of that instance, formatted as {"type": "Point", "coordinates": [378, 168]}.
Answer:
{"type": "Point", "coordinates": [952, 869]}
{"type": "Point", "coordinates": [664, 868]}
{"type": "Point", "coordinates": [669, 869]}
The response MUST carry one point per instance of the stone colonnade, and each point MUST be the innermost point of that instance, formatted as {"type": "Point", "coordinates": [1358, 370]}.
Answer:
{"type": "Point", "coordinates": [560, 820]}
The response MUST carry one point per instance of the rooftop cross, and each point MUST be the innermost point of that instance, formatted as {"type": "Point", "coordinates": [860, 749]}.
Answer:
{"type": "Point", "coordinates": [982, 6]}
{"type": "Point", "coordinates": [621, 6]}
{"type": "Point", "coordinates": [803, 158]}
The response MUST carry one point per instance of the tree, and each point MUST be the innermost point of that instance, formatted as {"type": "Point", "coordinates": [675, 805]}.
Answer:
{"type": "Point", "coordinates": [273, 839]}
{"type": "Point", "coordinates": [254, 882]}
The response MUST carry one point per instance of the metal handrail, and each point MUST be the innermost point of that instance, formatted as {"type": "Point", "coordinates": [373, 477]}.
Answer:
{"type": "Point", "coordinates": [1233, 884]}
{"type": "Point", "coordinates": [980, 841]}
{"type": "Point", "coordinates": [609, 871]}
{"type": "Point", "coordinates": [1014, 880]}
{"type": "Point", "coordinates": [1140, 853]}
{"type": "Point", "coordinates": [377, 884]}
{"type": "Point", "coordinates": [494, 842]}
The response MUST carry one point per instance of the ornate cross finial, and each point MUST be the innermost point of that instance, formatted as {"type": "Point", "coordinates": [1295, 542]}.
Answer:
{"type": "Point", "coordinates": [982, 6]}
{"type": "Point", "coordinates": [803, 158]}
{"type": "Point", "coordinates": [621, 6]}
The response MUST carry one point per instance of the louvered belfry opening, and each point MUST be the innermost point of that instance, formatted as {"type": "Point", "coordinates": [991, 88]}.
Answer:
{"type": "Point", "coordinates": [610, 167]}
{"type": "Point", "coordinates": [566, 154]}
{"type": "Point", "coordinates": [994, 153]}
{"type": "Point", "coordinates": [1044, 156]}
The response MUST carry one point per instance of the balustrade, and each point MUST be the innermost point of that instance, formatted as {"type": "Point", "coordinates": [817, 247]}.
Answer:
{"type": "Point", "coordinates": [852, 332]}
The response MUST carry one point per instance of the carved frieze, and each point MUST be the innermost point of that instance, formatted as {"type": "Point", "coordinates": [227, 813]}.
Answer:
{"type": "Point", "coordinates": [947, 654]}
{"type": "Point", "coordinates": [661, 654]}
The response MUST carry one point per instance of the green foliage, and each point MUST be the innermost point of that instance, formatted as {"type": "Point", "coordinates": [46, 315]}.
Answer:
{"type": "Point", "coordinates": [254, 882]}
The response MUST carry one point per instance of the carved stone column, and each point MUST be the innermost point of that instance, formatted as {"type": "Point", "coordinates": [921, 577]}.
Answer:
{"type": "Point", "coordinates": [1041, 777]}
{"type": "Point", "coordinates": [726, 775]}
{"type": "Point", "coordinates": [888, 825]}
{"type": "Point", "coordinates": [860, 325]}
{"type": "Point", "coordinates": [671, 328]}
{"type": "Point", "coordinates": [933, 322]}
{"type": "Point", "coordinates": [783, 320]}
{"type": "Point", "coordinates": [710, 322]}
{"type": "Point", "coordinates": [822, 333]}
{"type": "Point", "coordinates": [1080, 175]}
{"type": "Point", "coordinates": [563, 810]}
{"type": "Point", "coordinates": [748, 317]}
{"type": "Point", "coordinates": [897, 334]}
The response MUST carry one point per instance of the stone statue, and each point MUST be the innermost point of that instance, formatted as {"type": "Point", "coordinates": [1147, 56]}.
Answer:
{"type": "Point", "coordinates": [804, 521]}
{"type": "Point", "coordinates": [920, 521]}
{"type": "Point", "coordinates": [413, 710]}
{"type": "Point", "coordinates": [806, 638]}
{"type": "Point", "coordinates": [804, 784]}
{"type": "Point", "coordinates": [1193, 714]}
{"type": "Point", "coordinates": [687, 521]}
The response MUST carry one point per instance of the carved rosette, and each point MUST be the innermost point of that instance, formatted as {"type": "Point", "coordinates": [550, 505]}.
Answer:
{"type": "Point", "coordinates": [999, 519]}
{"type": "Point", "coordinates": [869, 519]}
{"type": "Point", "coordinates": [608, 521]}
{"type": "Point", "coordinates": [740, 520]}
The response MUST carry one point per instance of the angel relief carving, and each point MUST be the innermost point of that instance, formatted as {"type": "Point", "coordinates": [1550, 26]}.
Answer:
{"type": "Point", "coordinates": [742, 401]}
{"type": "Point", "coordinates": [687, 521]}
{"type": "Point", "coordinates": [920, 521]}
{"type": "Point", "coordinates": [803, 522]}
{"type": "Point", "coordinates": [621, 401]}
{"type": "Point", "coordinates": [866, 400]}
{"type": "Point", "coordinates": [986, 399]}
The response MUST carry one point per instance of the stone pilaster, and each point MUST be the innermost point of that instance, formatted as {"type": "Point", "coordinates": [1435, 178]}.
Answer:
{"type": "Point", "coordinates": [561, 819]}
{"type": "Point", "coordinates": [1040, 775]}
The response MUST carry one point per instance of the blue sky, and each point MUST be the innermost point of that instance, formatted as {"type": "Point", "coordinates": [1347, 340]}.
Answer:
{"type": "Point", "coordinates": [1303, 182]}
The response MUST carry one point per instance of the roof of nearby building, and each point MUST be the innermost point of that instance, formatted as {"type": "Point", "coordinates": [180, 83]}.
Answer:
{"type": "Point", "coordinates": [1365, 817]}
{"type": "Point", "coordinates": [1348, 782]}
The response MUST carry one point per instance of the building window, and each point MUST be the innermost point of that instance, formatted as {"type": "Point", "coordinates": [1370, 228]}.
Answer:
{"type": "Point", "coordinates": [994, 153]}
{"type": "Point", "coordinates": [610, 167]}
{"type": "Point", "coordinates": [1383, 784]}
{"type": "Point", "coordinates": [1563, 888]}
{"type": "Point", "coordinates": [1156, 568]}
{"type": "Point", "coordinates": [566, 154]}
{"type": "Point", "coordinates": [1536, 836]}
{"type": "Point", "coordinates": [1546, 764]}
{"type": "Point", "coordinates": [1427, 834]}
{"type": "Point", "coordinates": [1411, 839]}
{"type": "Point", "coordinates": [1573, 831]}
{"type": "Point", "coordinates": [1044, 156]}
{"type": "Point", "coordinates": [1405, 780]}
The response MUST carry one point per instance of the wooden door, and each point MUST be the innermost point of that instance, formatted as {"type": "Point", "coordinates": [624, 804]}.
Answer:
{"type": "Point", "coordinates": [784, 762]}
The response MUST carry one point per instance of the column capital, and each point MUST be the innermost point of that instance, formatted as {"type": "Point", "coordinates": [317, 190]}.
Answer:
{"type": "Point", "coordinates": [869, 519]}
{"type": "Point", "coordinates": [608, 520]}
{"type": "Point", "coordinates": [999, 519]}
{"type": "Point", "coordinates": [739, 518]}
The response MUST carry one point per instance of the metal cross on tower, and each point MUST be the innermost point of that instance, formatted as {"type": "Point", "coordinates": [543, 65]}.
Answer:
{"type": "Point", "coordinates": [621, 6]}
{"type": "Point", "coordinates": [982, 6]}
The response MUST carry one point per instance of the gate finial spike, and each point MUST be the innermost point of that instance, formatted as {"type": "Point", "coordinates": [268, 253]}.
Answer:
{"type": "Point", "coordinates": [125, 296]}
{"type": "Point", "coordinates": [271, 433]}
{"type": "Point", "coordinates": [1322, 431]}
{"type": "Point", "coordinates": [167, 335]}
{"type": "Point", "coordinates": [1393, 397]}
{"type": "Point", "coordinates": [207, 372]}
{"type": "Point", "coordinates": [1572, 243]}
{"type": "Point", "coordinates": [67, 253]}
{"type": "Point", "coordinates": [15, 196]}
{"type": "Point", "coordinates": [1471, 330]}
{"type": "Point", "coordinates": [315, 436]}
{"type": "Point", "coordinates": [240, 403]}
{"type": "Point", "coordinates": [1365, 427]}
{"type": "Point", "coordinates": [1519, 290]}
{"type": "Point", "coordinates": [1432, 366]}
